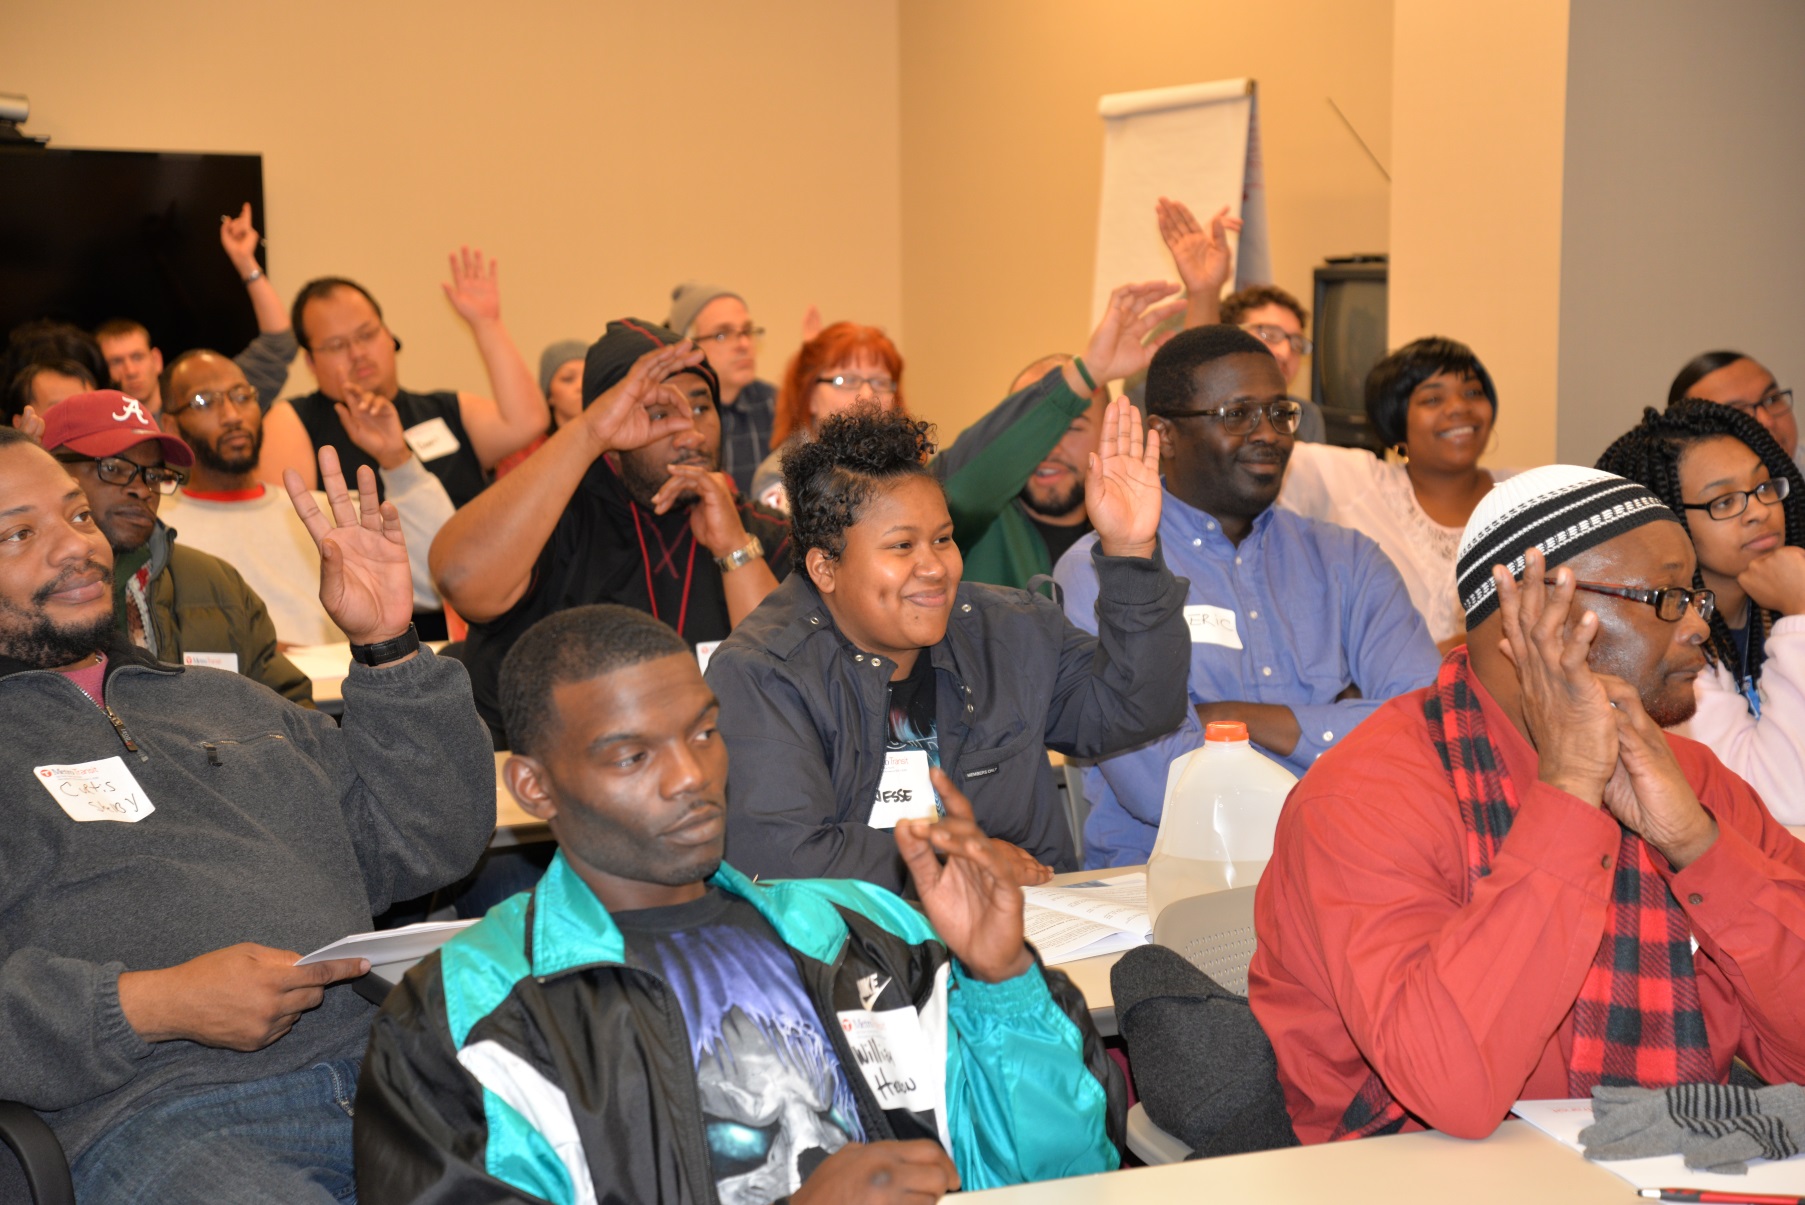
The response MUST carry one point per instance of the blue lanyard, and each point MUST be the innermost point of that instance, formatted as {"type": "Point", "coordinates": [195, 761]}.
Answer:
{"type": "Point", "coordinates": [1752, 695]}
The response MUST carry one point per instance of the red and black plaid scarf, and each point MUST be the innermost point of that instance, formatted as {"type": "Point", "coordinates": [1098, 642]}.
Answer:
{"type": "Point", "coordinates": [1637, 1021]}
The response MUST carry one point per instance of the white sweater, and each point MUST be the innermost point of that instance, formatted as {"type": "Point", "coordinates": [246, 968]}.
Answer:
{"type": "Point", "coordinates": [1769, 753]}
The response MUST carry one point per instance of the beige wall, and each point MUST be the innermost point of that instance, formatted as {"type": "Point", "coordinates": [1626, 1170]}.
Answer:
{"type": "Point", "coordinates": [1477, 140]}
{"type": "Point", "coordinates": [1685, 168]}
{"type": "Point", "coordinates": [1002, 159]}
{"type": "Point", "coordinates": [604, 151]}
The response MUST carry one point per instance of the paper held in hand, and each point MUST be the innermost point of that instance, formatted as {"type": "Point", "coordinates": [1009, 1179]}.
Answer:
{"type": "Point", "coordinates": [1562, 1120]}
{"type": "Point", "coordinates": [1083, 920]}
{"type": "Point", "coordinates": [410, 942]}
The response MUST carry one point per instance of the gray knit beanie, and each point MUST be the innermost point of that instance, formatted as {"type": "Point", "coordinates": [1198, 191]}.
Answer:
{"type": "Point", "coordinates": [557, 356]}
{"type": "Point", "coordinates": [687, 300]}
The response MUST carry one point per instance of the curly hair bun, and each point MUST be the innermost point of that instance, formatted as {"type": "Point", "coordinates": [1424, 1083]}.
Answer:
{"type": "Point", "coordinates": [829, 478]}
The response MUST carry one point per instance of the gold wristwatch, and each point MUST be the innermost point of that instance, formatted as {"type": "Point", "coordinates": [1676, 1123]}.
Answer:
{"type": "Point", "coordinates": [740, 557]}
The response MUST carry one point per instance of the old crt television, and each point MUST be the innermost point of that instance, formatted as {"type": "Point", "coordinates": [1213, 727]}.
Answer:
{"type": "Point", "coordinates": [90, 235]}
{"type": "Point", "coordinates": [1348, 328]}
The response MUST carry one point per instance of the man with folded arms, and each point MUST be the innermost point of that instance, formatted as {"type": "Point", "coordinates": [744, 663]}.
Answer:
{"type": "Point", "coordinates": [1492, 889]}
{"type": "Point", "coordinates": [174, 838]}
{"type": "Point", "coordinates": [177, 603]}
{"type": "Point", "coordinates": [651, 1025]}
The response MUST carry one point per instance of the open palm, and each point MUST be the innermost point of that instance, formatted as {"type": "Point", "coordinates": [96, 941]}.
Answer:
{"type": "Point", "coordinates": [366, 585]}
{"type": "Point", "coordinates": [1121, 487]}
{"type": "Point", "coordinates": [475, 288]}
{"type": "Point", "coordinates": [1200, 252]}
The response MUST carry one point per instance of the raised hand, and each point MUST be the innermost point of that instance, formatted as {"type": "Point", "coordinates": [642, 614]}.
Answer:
{"type": "Point", "coordinates": [365, 583]}
{"type": "Point", "coordinates": [30, 422]}
{"type": "Point", "coordinates": [240, 998]}
{"type": "Point", "coordinates": [475, 288]}
{"type": "Point", "coordinates": [239, 239]}
{"type": "Point", "coordinates": [374, 425]}
{"type": "Point", "coordinates": [1121, 485]}
{"type": "Point", "coordinates": [1199, 252]}
{"type": "Point", "coordinates": [641, 408]}
{"type": "Point", "coordinates": [916, 1172]}
{"type": "Point", "coordinates": [1648, 793]}
{"type": "Point", "coordinates": [1565, 708]}
{"type": "Point", "coordinates": [714, 513]}
{"type": "Point", "coordinates": [974, 899]}
{"type": "Point", "coordinates": [811, 322]}
{"type": "Point", "coordinates": [1776, 580]}
{"type": "Point", "coordinates": [1119, 347]}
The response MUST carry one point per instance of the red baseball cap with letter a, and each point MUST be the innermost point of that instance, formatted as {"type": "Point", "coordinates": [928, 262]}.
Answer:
{"type": "Point", "coordinates": [105, 423]}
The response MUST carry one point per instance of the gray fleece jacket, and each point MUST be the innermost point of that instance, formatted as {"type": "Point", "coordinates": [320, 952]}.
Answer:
{"type": "Point", "coordinates": [271, 825]}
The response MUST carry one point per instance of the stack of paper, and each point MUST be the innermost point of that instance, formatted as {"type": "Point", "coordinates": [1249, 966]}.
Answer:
{"type": "Point", "coordinates": [1083, 920]}
{"type": "Point", "coordinates": [408, 943]}
{"type": "Point", "coordinates": [1564, 1119]}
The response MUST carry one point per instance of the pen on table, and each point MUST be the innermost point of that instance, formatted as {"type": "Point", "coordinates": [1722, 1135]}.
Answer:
{"type": "Point", "coordinates": [1719, 1198]}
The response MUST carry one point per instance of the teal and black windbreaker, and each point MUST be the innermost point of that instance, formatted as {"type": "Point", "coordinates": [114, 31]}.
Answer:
{"type": "Point", "coordinates": [526, 1061]}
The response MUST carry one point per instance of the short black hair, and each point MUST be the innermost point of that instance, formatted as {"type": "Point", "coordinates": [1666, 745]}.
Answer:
{"type": "Point", "coordinates": [1393, 379]}
{"type": "Point", "coordinates": [1697, 369]}
{"type": "Point", "coordinates": [573, 646]}
{"type": "Point", "coordinates": [12, 435]}
{"type": "Point", "coordinates": [320, 287]}
{"type": "Point", "coordinates": [1237, 304]}
{"type": "Point", "coordinates": [830, 478]}
{"type": "Point", "coordinates": [1650, 453]}
{"type": "Point", "coordinates": [1172, 377]}
{"type": "Point", "coordinates": [18, 393]}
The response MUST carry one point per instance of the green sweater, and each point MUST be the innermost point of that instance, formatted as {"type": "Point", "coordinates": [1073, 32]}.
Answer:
{"type": "Point", "coordinates": [985, 469]}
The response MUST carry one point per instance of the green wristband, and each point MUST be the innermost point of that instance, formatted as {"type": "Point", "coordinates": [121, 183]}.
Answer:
{"type": "Point", "coordinates": [1078, 363]}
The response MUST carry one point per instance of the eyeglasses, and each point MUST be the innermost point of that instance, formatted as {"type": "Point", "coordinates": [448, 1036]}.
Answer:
{"type": "Point", "coordinates": [1244, 419]}
{"type": "Point", "coordinates": [344, 343]}
{"type": "Point", "coordinates": [117, 470]}
{"type": "Point", "coordinates": [1776, 403]}
{"type": "Point", "coordinates": [1728, 506]}
{"type": "Point", "coordinates": [207, 401]}
{"type": "Point", "coordinates": [751, 334]}
{"type": "Point", "coordinates": [1670, 604]}
{"type": "Point", "coordinates": [1278, 336]}
{"type": "Point", "coordinates": [847, 383]}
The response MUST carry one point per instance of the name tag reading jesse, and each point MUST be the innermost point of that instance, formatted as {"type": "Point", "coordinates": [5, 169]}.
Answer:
{"type": "Point", "coordinates": [904, 792]}
{"type": "Point", "coordinates": [96, 790]}
{"type": "Point", "coordinates": [1212, 625]}
{"type": "Point", "coordinates": [431, 439]}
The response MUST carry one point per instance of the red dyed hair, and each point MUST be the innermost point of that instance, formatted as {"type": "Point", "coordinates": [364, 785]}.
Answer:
{"type": "Point", "coordinates": [841, 343]}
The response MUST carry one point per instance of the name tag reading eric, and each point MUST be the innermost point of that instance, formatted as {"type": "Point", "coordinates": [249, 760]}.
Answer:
{"type": "Point", "coordinates": [904, 792]}
{"type": "Point", "coordinates": [96, 790]}
{"type": "Point", "coordinates": [431, 439]}
{"type": "Point", "coordinates": [1212, 625]}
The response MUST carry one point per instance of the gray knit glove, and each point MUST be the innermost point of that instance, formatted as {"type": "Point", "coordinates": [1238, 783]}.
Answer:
{"type": "Point", "coordinates": [1630, 1123]}
{"type": "Point", "coordinates": [1724, 1142]}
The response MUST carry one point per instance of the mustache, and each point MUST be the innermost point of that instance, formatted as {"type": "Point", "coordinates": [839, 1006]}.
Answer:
{"type": "Point", "coordinates": [81, 575]}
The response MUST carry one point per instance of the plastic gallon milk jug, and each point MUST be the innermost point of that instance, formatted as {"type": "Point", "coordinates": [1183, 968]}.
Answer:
{"type": "Point", "coordinates": [1222, 806]}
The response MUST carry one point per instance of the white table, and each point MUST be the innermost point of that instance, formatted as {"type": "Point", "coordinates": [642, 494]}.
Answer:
{"type": "Point", "coordinates": [1517, 1165]}
{"type": "Point", "coordinates": [1091, 975]}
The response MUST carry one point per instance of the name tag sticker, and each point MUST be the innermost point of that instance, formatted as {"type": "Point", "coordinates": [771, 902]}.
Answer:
{"type": "Point", "coordinates": [431, 439]}
{"type": "Point", "coordinates": [225, 661]}
{"type": "Point", "coordinates": [1212, 625]}
{"type": "Point", "coordinates": [893, 1055]}
{"type": "Point", "coordinates": [904, 792]}
{"type": "Point", "coordinates": [96, 790]}
{"type": "Point", "coordinates": [705, 650]}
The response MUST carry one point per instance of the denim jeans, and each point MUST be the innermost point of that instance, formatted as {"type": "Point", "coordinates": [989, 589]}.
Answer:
{"type": "Point", "coordinates": [282, 1139]}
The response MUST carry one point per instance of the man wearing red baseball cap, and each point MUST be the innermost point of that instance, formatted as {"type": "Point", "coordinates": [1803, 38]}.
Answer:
{"type": "Point", "coordinates": [178, 603]}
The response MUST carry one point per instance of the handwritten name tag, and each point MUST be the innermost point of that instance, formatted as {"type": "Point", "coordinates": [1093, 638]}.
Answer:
{"type": "Point", "coordinates": [905, 791]}
{"type": "Point", "coordinates": [96, 790]}
{"type": "Point", "coordinates": [894, 1056]}
{"type": "Point", "coordinates": [431, 439]}
{"type": "Point", "coordinates": [1212, 625]}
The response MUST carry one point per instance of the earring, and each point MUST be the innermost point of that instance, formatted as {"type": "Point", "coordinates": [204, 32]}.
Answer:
{"type": "Point", "coordinates": [1401, 451]}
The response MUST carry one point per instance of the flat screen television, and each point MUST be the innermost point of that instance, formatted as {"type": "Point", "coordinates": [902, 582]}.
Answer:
{"type": "Point", "coordinates": [90, 235]}
{"type": "Point", "coordinates": [1348, 327]}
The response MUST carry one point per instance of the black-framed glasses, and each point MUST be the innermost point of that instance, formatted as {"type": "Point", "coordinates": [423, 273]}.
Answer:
{"type": "Point", "coordinates": [117, 470]}
{"type": "Point", "coordinates": [209, 401]}
{"type": "Point", "coordinates": [1776, 403]}
{"type": "Point", "coordinates": [1728, 506]}
{"type": "Point", "coordinates": [1244, 418]}
{"type": "Point", "coordinates": [847, 383]}
{"type": "Point", "coordinates": [1277, 336]}
{"type": "Point", "coordinates": [1670, 603]}
{"type": "Point", "coordinates": [720, 338]}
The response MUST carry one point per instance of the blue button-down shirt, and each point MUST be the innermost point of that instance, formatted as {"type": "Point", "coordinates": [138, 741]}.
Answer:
{"type": "Point", "coordinates": [1316, 608]}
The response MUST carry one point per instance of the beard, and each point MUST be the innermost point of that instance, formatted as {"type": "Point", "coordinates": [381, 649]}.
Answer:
{"type": "Point", "coordinates": [208, 454]}
{"type": "Point", "coordinates": [39, 642]}
{"type": "Point", "coordinates": [1667, 708]}
{"type": "Point", "coordinates": [1057, 506]}
{"type": "Point", "coordinates": [643, 481]}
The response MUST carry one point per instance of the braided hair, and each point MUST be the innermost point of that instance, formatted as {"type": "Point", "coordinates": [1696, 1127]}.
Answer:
{"type": "Point", "coordinates": [1650, 453]}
